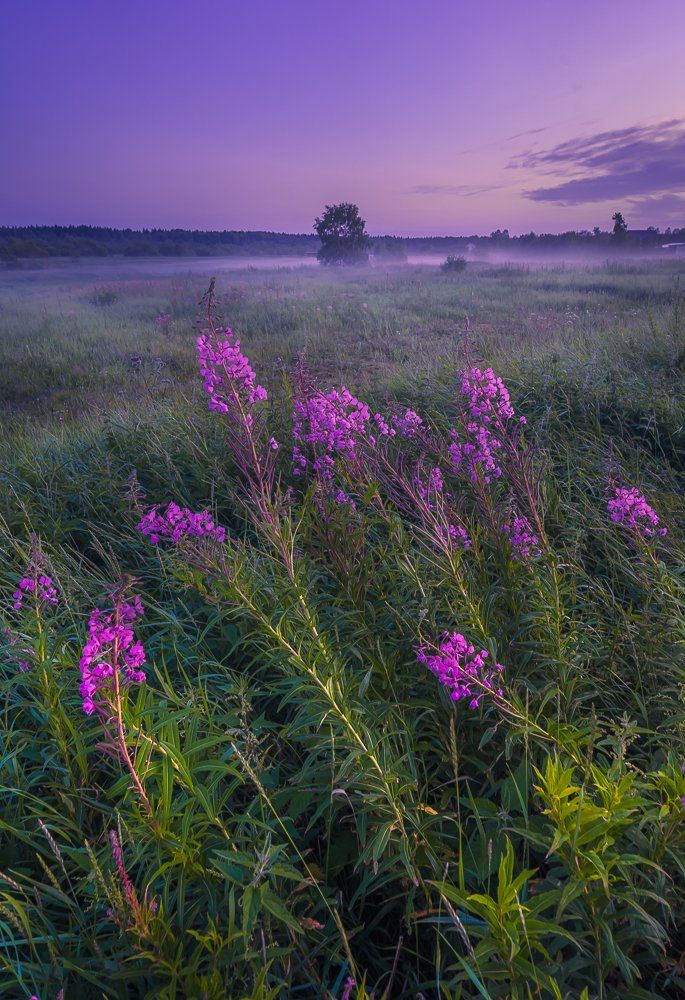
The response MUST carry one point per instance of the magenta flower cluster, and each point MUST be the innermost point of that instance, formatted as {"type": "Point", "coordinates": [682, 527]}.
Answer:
{"type": "Point", "coordinates": [41, 585]}
{"type": "Point", "coordinates": [332, 425]}
{"type": "Point", "coordinates": [111, 648]}
{"type": "Point", "coordinates": [524, 542]}
{"type": "Point", "coordinates": [229, 379]}
{"type": "Point", "coordinates": [486, 401]}
{"type": "Point", "coordinates": [462, 670]}
{"type": "Point", "coordinates": [177, 523]}
{"type": "Point", "coordinates": [431, 488]}
{"type": "Point", "coordinates": [628, 506]}
{"type": "Point", "coordinates": [454, 534]}
{"type": "Point", "coordinates": [408, 424]}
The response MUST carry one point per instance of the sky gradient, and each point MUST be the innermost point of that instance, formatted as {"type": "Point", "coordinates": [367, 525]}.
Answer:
{"type": "Point", "coordinates": [444, 117]}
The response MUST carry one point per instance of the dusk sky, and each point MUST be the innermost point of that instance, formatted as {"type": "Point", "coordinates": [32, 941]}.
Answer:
{"type": "Point", "coordinates": [435, 117]}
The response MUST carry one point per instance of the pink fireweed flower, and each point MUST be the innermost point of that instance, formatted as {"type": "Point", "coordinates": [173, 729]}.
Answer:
{"type": "Point", "coordinates": [429, 490]}
{"type": "Point", "coordinates": [112, 648]}
{"type": "Point", "coordinates": [331, 425]}
{"type": "Point", "coordinates": [408, 423]}
{"type": "Point", "coordinates": [228, 376]}
{"type": "Point", "coordinates": [177, 523]}
{"type": "Point", "coordinates": [477, 455]}
{"type": "Point", "coordinates": [38, 584]}
{"type": "Point", "coordinates": [350, 984]}
{"type": "Point", "coordinates": [486, 395]}
{"type": "Point", "coordinates": [628, 507]}
{"type": "Point", "coordinates": [462, 670]}
{"type": "Point", "coordinates": [450, 535]}
{"type": "Point", "coordinates": [524, 542]}
{"type": "Point", "coordinates": [485, 400]}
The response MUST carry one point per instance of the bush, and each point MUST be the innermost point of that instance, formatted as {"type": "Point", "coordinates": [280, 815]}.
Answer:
{"type": "Point", "coordinates": [453, 264]}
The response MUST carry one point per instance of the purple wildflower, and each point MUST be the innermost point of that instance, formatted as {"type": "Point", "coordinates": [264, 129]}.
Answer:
{"type": "Point", "coordinates": [460, 668]}
{"type": "Point", "coordinates": [628, 506]}
{"type": "Point", "coordinates": [177, 523]}
{"type": "Point", "coordinates": [111, 649]}
{"type": "Point", "coordinates": [229, 378]}
{"type": "Point", "coordinates": [332, 425]}
{"type": "Point", "coordinates": [486, 402]}
{"type": "Point", "coordinates": [523, 541]}
{"type": "Point", "coordinates": [350, 984]}
{"type": "Point", "coordinates": [452, 535]}
{"type": "Point", "coordinates": [38, 584]}
{"type": "Point", "coordinates": [408, 423]}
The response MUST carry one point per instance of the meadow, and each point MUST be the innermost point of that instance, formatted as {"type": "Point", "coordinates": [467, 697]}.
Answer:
{"type": "Point", "coordinates": [366, 679]}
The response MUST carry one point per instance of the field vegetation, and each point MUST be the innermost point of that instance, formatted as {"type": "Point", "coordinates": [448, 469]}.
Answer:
{"type": "Point", "coordinates": [366, 679]}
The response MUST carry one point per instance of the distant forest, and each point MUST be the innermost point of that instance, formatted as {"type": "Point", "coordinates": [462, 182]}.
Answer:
{"type": "Point", "coordinates": [17, 242]}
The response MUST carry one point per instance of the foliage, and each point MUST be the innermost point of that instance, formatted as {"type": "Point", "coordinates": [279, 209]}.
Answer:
{"type": "Point", "coordinates": [342, 232]}
{"type": "Point", "coordinates": [453, 264]}
{"type": "Point", "coordinates": [292, 802]}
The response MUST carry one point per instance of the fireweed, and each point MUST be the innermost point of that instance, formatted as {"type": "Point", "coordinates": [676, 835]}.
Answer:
{"type": "Point", "coordinates": [129, 912]}
{"type": "Point", "coordinates": [112, 657]}
{"type": "Point", "coordinates": [627, 506]}
{"type": "Point", "coordinates": [524, 542]}
{"type": "Point", "coordinates": [489, 422]}
{"type": "Point", "coordinates": [463, 671]}
{"type": "Point", "coordinates": [329, 426]}
{"type": "Point", "coordinates": [177, 523]}
{"type": "Point", "coordinates": [37, 584]}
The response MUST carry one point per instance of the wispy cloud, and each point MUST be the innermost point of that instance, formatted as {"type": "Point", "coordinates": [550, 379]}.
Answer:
{"type": "Point", "coordinates": [464, 190]}
{"type": "Point", "coordinates": [642, 160]}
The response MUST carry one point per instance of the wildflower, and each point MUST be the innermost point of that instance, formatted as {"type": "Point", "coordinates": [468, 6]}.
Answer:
{"type": "Point", "coordinates": [487, 404]}
{"type": "Point", "coordinates": [523, 541]}
{"type": "Point", "coordinates": [432, 488]}
{"type": "Point", "coordinates": [460, 668]}
{"type": "Point", "coordinates": [177, 523]}
{"type": "Point", "coordinates": [477, 456]}
{"type": "Point", "coordinates": [229, 378]}
{"type": "Point", "coordinates": [628, 506]}
{"type": "Point", "coordinates": [408, 424]}
{"type": "Point", "coordinates": [133, 910]}
{"type": "Point", "coordinates": [452, 534]}
{"type": "Point", "coordinates": [112, 656]}
{"type": "Point", "coordinates": [350, 984]}
{"type": "Point", "coordinates": [486, 395]}
{"type": "Point", "coordinates": [38, 584]}
{"type": "Point", "coordinates": [273, 443]}
{"type": "Point", "coordinates": [332, 424]}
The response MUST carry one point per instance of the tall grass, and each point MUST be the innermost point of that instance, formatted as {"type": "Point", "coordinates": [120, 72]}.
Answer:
{"type": "Point", "coordinates": [318, 809]}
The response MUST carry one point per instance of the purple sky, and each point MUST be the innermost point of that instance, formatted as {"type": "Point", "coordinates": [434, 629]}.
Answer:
{"type": "Point", "coordinates": [444, 116]}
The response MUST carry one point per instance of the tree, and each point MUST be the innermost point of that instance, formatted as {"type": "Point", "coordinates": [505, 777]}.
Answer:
{"type": "Point", "coordinates": [620, 226]}
{"type": "Point", "coordinates": [342, 232]}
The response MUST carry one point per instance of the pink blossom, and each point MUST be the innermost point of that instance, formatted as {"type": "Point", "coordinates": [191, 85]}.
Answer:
{"type": "Point", "coordinates": [524, 542]}
{"type": "Point", "coordinates": [40, 584]}
{"type": "Point", "coordinates": [111, 648]}
{"type": "Point", "coordinates": [408, 423]}
{"type": "Point", "coordinates": [177, 523]}
{"type": "Point", "coordinates": [453, 534]}
{"type": "Point", "coordinates": [486, 402]}
{"type": "Point", "coordinates": [229, 378]}
{"type": "Point", "coordinates": [460, 668]}
{"type": "Point", "coordinates": [629, 507]}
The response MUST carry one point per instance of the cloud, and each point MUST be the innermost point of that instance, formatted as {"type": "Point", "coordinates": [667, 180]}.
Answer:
{"type": "Point", "coordinates": [642, 160]}
{"type": "Point", "coordinates": [668, 208]}
{"type": "Point", "coordinates": [466, 190]}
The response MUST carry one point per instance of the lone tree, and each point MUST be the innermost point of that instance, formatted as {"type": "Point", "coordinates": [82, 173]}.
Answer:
{"type": "Point", "coordinates": [342, 232]}
{"type": "Point", "coordinates": [620, 227]}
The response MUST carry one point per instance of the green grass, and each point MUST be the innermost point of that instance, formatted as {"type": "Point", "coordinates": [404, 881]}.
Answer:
{"type": "Point", "coordinates": [319, 807]}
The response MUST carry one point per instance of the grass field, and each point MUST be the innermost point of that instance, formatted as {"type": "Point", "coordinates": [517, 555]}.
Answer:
{"type": "Point", "coordinates": [291, 804]}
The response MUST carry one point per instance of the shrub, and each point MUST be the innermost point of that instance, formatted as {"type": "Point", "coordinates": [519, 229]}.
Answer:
{"type": "Point", "coordinates": [453, 264]}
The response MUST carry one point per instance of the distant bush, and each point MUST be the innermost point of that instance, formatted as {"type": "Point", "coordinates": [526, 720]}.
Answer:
{"type": "Point", "coordinates": [453, 264]}
{"type": "Point", "coordinates": [103, 297]}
